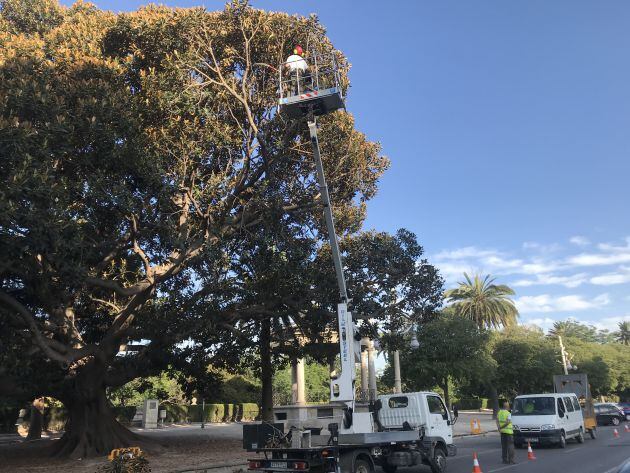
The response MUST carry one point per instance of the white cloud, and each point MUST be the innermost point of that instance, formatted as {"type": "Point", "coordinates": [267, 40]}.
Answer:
{"type": "Point", "coordinates": [498, 262]}
{"type": "Point", "coordinates": [579, 240]}
{"type": "Point", "coordinates": [549, 303]}
{"type": "Point", "coordinates": [598, 259]}
{"type": "Point", "coordinates": [570, 281]}
{"type": "Point", "coordinates": [607, 323]}
{"type": "Point", "coordinates": [608, 279]}
{"type": "Point", "coordinates": [541, 247]}
{"type": "Point", "coordinates": [610, 254]}
{"type": "Point", "coordinates": [542, 322]}
{"type": "Point", "coordinates": [465, 253]}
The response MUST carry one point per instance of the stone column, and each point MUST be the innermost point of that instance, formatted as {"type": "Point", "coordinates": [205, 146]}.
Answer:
{"type": "Point", "coordinates": [298, 390]}
{"type": "Point", "coordinates": [397, 381]}
{"type": "Point", "coordinates": [371, 371]}
{"type": "Point", "coordinates": [364, 370]}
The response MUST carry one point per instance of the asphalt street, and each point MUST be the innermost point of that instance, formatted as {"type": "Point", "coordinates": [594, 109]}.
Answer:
{"type": "Point", "coordinates": [601, 455]}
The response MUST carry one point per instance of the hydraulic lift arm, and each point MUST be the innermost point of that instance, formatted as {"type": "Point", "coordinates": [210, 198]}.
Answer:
{"type": "Point", "coordinates": [341, 384]}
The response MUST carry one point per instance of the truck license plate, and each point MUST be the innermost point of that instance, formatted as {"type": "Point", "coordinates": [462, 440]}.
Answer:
{"type": "Point", "coordinates": [531, 439]}
{"type": "Point", "coordinates": [281, 465]}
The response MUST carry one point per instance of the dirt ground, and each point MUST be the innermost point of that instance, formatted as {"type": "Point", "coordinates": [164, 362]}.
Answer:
{"type": "Point", "coordinates": [177, 452]}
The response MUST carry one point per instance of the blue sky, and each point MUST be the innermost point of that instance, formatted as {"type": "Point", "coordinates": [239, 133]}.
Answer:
{"type": "Point", "coordinates": [508, 128]}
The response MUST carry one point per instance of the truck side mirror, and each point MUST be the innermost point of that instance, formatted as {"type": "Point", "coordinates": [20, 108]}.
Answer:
{"type": "Point", "coordinates": [560, 413]}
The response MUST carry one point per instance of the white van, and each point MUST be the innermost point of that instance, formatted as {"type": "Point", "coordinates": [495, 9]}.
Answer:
{"type": "Point", "coordinates": [547, 419]}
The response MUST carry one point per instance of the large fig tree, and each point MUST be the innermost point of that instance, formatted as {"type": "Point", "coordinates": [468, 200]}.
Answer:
{"type": "Point", "coordinates": [135, 148]}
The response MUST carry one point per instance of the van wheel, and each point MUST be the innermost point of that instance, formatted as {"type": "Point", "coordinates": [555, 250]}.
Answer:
{"type": "Point", "coordinates": [563, 440]}
{"type": "Point", "coordinates": [362, 466]}
{"type": "Point", "coordinates": [438, 465]}
{"type": "Point", "coordinates": [615, 421]}
{"type": "Point", "coordinates": [593, 433]}
{"type": "Point", "coordinates": [580, 437]}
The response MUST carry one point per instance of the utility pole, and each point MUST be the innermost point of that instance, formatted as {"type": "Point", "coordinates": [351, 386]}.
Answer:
{"type": "Point", "coordinates": [203, 413]}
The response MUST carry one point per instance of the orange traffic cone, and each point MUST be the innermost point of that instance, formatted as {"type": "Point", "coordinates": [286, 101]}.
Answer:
{"type": "Point", "coordinates": [476, 467]}
{"type": "Point", "coordinates": [530, 452]}
{"type": "Point", "coordinates": [616, 433]}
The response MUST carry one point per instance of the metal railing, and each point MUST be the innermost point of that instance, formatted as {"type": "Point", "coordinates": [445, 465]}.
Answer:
{"type": "Point", "coordinates": [322, 73]}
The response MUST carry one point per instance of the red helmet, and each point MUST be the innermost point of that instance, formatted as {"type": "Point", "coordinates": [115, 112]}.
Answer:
{"type": "Point", "coordinates": [298, 50]}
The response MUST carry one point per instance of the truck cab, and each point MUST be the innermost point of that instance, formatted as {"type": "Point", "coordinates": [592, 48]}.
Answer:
{"type": "Point", "coordinates": [425, 412]}
{"type": "Point", "coordinates": [419, 411]}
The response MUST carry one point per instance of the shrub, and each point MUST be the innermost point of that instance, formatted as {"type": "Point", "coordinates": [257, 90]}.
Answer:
{"type": "Point", "coordinates": [228, 413]}
{"type": "Point", "coordinates": [250, 411]}
{"type": "Point", "coordinates": [124, 414]}
{"type": "Point", "coordinates": [177, 413]}
{"type": "Point", "coordinates": [471, 404]}
{"type": "Point", "coordinates": [8, 416]}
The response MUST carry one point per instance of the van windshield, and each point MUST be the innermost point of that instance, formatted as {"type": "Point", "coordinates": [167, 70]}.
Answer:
{"type": "Point", "coordinates": [534, 406]}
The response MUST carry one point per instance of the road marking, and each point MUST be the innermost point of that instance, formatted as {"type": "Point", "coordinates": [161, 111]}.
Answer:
{"type": "Point", "coordinates": [482, 452]}
{"type": "Point", "coordinates": [615, 469]}
{"type": "Point", "coordinates": [505, 467]}
{"type": "Point", "coordinates": [570, 450]}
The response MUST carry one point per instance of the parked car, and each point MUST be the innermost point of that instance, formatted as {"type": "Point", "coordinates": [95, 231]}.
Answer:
{"type": "Point", "coordinates": [609, 414]}
{"type": "Point", "coordinates": [625, 407]}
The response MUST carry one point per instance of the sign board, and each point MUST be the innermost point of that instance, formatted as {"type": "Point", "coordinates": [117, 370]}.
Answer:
{"type": "Point", "coordinates": [150, 418]}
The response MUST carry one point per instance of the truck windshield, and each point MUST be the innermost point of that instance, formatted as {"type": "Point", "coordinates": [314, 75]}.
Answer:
{"type": "Point", "coordinates": [534, 406]}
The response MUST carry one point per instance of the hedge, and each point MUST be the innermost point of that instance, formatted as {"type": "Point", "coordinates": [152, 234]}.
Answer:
{"type": "Point", "coordinates": [124, 414]}
{"type": "Point", "coordinates": [471, 404]}
{"type": "Point", "coordinates": [55, 417]}
{"type": "Point", "coordinates": [223, 412]}
{"type": "Point", "coordinates": [250, 411]}
{"type": "Point", "coordinates": [8, 416]}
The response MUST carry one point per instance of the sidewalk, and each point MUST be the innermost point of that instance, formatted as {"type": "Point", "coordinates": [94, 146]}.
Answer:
{"type": "Point", "coordinates": [462, 426]}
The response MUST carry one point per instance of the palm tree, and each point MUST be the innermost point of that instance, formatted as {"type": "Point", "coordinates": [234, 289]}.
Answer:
{"type": "Point", "coordinates": [623, 335]}
{"type": "Point", "coordinates": [484, 302]}
{"type": "Point", "coordinates": [488, 305]}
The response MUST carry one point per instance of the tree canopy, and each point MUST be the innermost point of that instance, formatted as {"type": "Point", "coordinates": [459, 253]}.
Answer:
{"type": "Point", "coordinates": [484, 302]}
{"type": "Point", "coordinates": [139, 151]}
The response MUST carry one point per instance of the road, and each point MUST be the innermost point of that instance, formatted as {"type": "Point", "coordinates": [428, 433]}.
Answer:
{"type": "Point", "coordinates": [601, 455]}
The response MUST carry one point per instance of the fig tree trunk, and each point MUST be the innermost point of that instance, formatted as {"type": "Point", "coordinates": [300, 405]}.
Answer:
{"type": "Point", "coordinates": [91, 429]}
{"type": "Point", "coordinates": [447, 395]}
{"type": "Point", "coordinates": [36, 423]}
{"type": "Point", "coordinates": [266, 370]}
{"type": "Point", "coordinates": [494, 399]}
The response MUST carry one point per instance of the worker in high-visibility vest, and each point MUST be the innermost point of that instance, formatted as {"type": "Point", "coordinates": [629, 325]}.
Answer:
{"type": "Point", "coordinates": [504, 424]}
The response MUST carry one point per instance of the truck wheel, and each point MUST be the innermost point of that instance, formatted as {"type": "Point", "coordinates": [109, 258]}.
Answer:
{"type": "Point", "coordinates": [615, 421]}
{"type": "Point", "coordinates": [580, 437]}
{"type": "Point", "coordinates": [593, 433]}
{"type": "Point", "coordinates": [387, 468]}
{"type": "Point", "coordinates": [438, 465]}
{"type": "Point", "coordinates": [563, 440]}
{"type": "Point", "coordinates": [362, 466]}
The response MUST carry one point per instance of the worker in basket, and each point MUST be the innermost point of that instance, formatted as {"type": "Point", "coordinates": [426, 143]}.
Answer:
{"type": "Point", "coordinates": [298, 71]}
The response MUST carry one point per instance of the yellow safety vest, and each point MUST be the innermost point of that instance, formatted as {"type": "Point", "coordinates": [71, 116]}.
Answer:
{"type": "Point", "coordinates": [502, 417]}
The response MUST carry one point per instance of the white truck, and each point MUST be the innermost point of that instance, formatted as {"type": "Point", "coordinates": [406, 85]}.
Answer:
{"type": "Point", "coordinates": [394, 430]}
{"type": "Point", "coordinates": [405, 430]}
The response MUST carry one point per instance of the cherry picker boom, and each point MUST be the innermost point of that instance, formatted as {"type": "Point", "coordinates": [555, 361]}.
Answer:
{"type": "Point", "coordinates": [395, 430]}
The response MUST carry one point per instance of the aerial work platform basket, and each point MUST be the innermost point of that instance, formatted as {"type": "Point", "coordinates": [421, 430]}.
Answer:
{"type": "Point", "coordinates": [309, 83]}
